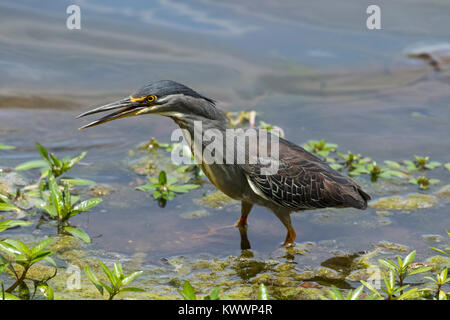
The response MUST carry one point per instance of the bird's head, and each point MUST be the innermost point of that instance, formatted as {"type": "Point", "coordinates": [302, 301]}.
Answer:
{"type": "Point", "coordinates": [165, 97]}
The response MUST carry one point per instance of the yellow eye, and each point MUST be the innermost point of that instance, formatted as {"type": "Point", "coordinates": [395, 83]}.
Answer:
{"type": "Point", "coordinates": [150, 99]}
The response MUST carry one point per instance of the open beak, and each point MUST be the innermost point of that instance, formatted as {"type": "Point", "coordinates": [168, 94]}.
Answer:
{"type": "Point", "coordinates": [127, 108]}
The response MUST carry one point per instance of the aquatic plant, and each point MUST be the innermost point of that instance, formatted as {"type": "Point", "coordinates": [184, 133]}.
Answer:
{"type": "Point", "coordinates": [164, 188]}
{"type": "Point", "coordinates": [6, 147]}
{"type": "Point", "coordinates": [154, 145]}
{"type": "Point", "coordinates": [6, 205]}
{"type": "Point", "coordinates": [392, 291]}
{"type": "Point", "coordinates": [447, 252]}
{"type": "Point", "coordinates": [188, 293]}
{"type": "Point", "coordinates": [403, 267]}
{"type": "Point", "coordinates": [439, 281]}
{"type": "Point", "coordinates": [335, 294]}
{"type": "Point", "coordinates": [117, 280]}
{"type": "Point", "coordinates": [271, 128]}
{"type": "Point", "coordinates": [25, 257]}
{"type": "Point", "coordinates": [50, 163]}
{"type": "Point", "coordinates": [262, 292]}
{"type": "Point", "coordinates": [61, 206]}
{"type": "Point", "coordinates": [6, 224]}
{"type": "Point", "coordinates": [241, 118]}
{"type": "Point", "coordinates": [321, 147]}
{"type": "Point", "coordinates": [423, 182]}
{"type": "Point", "coordinates": [421, 163]}
{"type": "Point", "coordinates": [447, 166]}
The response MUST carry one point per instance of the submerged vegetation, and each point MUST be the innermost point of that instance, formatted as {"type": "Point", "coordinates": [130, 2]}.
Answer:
{"type": "Point", "coordinates": [56, 198]}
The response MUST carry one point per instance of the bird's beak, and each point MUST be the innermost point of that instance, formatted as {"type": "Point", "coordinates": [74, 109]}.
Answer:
{"type": "Point", "coordinates": [127, 108]}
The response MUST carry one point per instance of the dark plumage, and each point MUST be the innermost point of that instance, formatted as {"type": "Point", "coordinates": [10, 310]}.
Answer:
{"type": "Point", "coordinates": [302, 181]}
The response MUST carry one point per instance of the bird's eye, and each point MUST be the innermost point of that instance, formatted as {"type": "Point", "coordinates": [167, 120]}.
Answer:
{"type": "Point", "coordinates": [150, 99]}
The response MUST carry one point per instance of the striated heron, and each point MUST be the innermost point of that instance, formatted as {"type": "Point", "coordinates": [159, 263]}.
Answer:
{"type": "Point", "coordinates": [302, 181]}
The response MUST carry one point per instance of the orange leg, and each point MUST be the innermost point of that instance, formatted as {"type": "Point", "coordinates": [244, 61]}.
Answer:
{"type": "Point", "coordinates": [290, 237]}
{"type": "Point", "coordinates": [242, 224]}
{"type": "Point", "coordinates": [245, 211]}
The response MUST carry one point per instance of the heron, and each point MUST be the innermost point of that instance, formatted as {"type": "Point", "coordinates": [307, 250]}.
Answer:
{"type": "Point", "coordinates": [302, 180]}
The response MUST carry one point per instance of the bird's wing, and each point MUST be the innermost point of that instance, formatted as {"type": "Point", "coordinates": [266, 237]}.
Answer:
{"type": "Point", "coordinates": [303, 181]}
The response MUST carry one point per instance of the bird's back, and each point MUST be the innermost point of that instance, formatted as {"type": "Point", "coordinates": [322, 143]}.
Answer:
{"type": "Point", "coordinates": [303, 181]}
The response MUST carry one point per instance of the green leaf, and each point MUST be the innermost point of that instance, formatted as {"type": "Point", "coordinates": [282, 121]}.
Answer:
{"type": "Point", "coordinates": [93, 279]}
{"type": "Point", "coordinates": [6, 147]}
{"type": "Point", "coordinates": [419, 270]}
{"type": "Point", "coordinates": [117, 267]}
{"type": "Point", "coordinates": [87, 204]}
{"type": "Point", "coordinates": [389, 264]}
{"type": "Point", "coordinates": [75, 160]}
{"type": "Point", "coordinates": [407, 294]}
{"type": "Point", "coordinates": [78, 233]}
{"type": "Point", "coordinates": [33, 164]}
{"type": "Point", "coordinates": [440, 251]}
{"type": "Point", "coordinates": [56, 196]}
{"type": "Point", "coordinates": [8, 207]}
{"type": "Point", "coordinates": [6, 224]}
{"type": "Point", "coordinates": [188, 292]}
{"type": "Point", "coordinates": [147, 187]}
{"type": "Point", "coordinates": [9, 296]}
{"type": "Point", "coordinates": [183, 188]}
{"type": "Point", "coordinates": [9, 249]}
{"type": "Point", "coordinates": [214, 295]}
{"type": "Point", "coordinates": [109, 274]}
{"type": "Point", "coordinates": [432, 165]}
{"type": "Point", "coordinates": [131, 277]}
{"type": "Point", "coordinates": [44, 153]}
{"type": "Point", "coordinates": [409, 258]}
{"type": "Point", "coordinates": [393, 164]}
{"type": "Point", "coordinates": [46, 290]}
{"type": "Point", "coordinates": [19, 245]}
{"type": "Point", "coordinates": [79, 182]}
{"type": "Point", "coordinates": [371, 288]}
{"type": "Point", "coordinates": [356, 293]}
{"type": "Point", "coordinates": [55, 160]}
{"type": "Point", "coordinates": [162, 178]}
{"type": "Point", "coordinates": [40, 246]}
{"type": "Point", "coordinates": [42, 255]}
{"type": "Point", "coordinates": [262, 292]}
{"type": "Point", "coordinates": [447, 166]}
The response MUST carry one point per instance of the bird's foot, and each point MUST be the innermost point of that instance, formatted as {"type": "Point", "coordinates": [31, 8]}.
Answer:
{"type": "Point", "coordinates": [288, 244]}
{"type": "Point", "coordinates": [241, 223]}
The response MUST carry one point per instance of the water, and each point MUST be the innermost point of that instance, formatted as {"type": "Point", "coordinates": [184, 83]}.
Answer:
{"type": "Point", "coordinates": [311, 68]}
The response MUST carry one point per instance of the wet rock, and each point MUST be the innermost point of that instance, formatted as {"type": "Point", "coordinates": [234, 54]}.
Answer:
{"type": "Point", "coordinates": [444, 192]}
{"type": "Point", "coordinates": [438, 262]}
{"type": "Point", "coordinates": [100, 190]}
{"type": "Point", "coordinates": [358, 275]}
{"type": "Point", "coordinates": [384, 213]}
{"type": "Point", "coordinates": [195, 214]}
{"type": "Point", "coordinates": [297, 293]}
{"type": "Point", "coordinates": [436, 55]}
{"type": "Point", "coordinates": [392, 246]}
{"type": "Point", "coordinates": [411, 202]}
{"type": "Point", "coordinates": [327, 273]}
{"type": "Point", "coordinates": [216, 199]}
{"type": "Point", "coordinates": [432, 237]}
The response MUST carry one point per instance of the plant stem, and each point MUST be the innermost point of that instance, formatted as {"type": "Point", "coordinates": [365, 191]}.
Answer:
{"type": "Point", "coordinates": [19, 280]}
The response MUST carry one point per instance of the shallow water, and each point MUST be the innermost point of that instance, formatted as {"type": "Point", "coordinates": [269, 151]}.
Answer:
{"type": "Point", "coordinates": [315, 72]}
